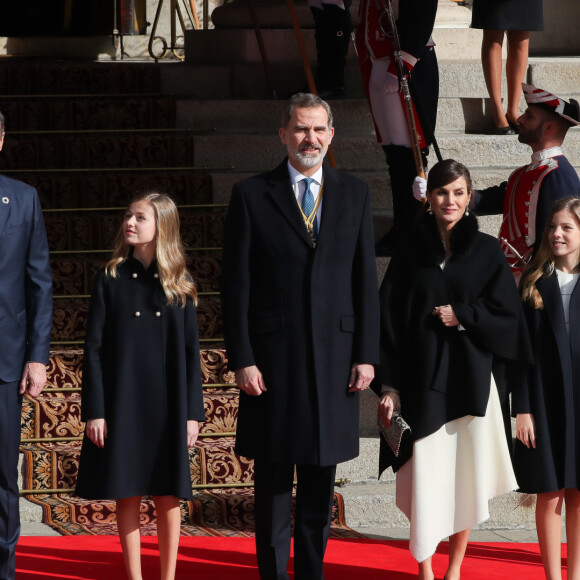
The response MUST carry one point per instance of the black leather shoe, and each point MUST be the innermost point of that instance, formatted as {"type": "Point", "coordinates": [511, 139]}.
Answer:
{"type": "Point", "coordinates": [507, 130]}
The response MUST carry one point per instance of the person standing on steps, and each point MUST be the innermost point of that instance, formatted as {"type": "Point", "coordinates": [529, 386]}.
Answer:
{"type": "Point", "coordinates": [414, 21]}
{"type": "Point", "coordinates": [301, 327]}
{"type": "Point", "coordinates": [141, 391]}
{"type": "Point", "coordinates": [332, 28]}
{"type": "Point", "coordinates": [514, 18]}
{"type": "Point", "coordinates": [26, 314]}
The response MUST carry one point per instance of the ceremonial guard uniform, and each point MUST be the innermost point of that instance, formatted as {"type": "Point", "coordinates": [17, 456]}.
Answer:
{"type": "Point", "coordinates": [530, 191]}
{"type": "Point", "coordinates": [414, 20]}
{"type": "Point", "coordinates": [524, 221]}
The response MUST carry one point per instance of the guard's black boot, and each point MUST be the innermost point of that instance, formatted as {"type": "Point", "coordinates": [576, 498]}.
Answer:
{"type": "Point", "coordinates": [402, 172]}
{"type": "Point", "coordinates": [332, 31]}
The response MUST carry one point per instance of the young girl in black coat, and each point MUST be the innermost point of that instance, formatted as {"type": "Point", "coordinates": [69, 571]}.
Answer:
{"type": "Point", "coordinates": [142, 396]}
{"type": "Point", "coordinates": [547, 404]}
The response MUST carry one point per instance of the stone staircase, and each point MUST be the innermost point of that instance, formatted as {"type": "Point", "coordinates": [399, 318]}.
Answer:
{"type": "Point", "coordinates": [216, 110]}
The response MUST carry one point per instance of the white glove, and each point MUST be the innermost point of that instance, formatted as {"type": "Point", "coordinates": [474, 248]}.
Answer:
{"type": "Point", "coordinates": [419, 188]}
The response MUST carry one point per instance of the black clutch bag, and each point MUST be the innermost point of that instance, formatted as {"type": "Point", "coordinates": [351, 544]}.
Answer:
{"type": "Point", "coordinates": [398, 438]}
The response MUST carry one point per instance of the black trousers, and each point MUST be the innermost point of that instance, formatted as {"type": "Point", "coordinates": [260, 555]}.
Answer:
{"type": "Point", "coordinates": [273, 500]}
{"type": "Point", "coordinates": [10, 412]}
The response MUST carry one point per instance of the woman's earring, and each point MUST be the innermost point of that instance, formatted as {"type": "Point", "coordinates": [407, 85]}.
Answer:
{"type": "Point", "coordinates": [429, 208]}
{"type": "Point", "coordinates": [467, 207]}
{"type": "Point", "coordinates": [467, 211]}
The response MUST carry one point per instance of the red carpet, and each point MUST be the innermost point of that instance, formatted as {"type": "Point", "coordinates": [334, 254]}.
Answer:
{"type": "Point", "coordinates": [99, 558]}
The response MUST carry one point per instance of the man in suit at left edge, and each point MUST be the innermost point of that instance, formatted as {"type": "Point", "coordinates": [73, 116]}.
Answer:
{"type": "Point", "coordinates": [300, 311]}
{"type": "Point", "coordinates": [26, 320]}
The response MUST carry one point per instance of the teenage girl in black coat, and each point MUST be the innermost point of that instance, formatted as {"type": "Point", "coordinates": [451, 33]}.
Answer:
{"type": "Point", "coordinates": [142, 396]}
{"type": "Point", "coordinates": [547, 404]}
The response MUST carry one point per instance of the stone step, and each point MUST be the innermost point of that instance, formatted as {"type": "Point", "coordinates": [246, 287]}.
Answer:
{"type": "Point", "coordinates": [365, 467]}
{"type": "Point", "coordinates": [206, 79]}
{"type": "Point", "coordinates": [254, 153]}
{"type": "Point", "coordinates": [453, 39]}
{"type": "Point", "coordinates": [351, 116]}
{"type": "Point", "coordinates": [85, 112]}
{"type": "Point", "coordinates": [91, 48]}
{"type": "Point", "coordinates": [451, 13]}
{"type": "Point", "coordinates": [97, 150]}
{"type": "Point", "coordinates": [465, 78]}
{"type": "Point", "coordinates": [477, 150]}
{"type": "Point", "coordinates": [240, 45]}
{"type": "Point", "coordinates": [372, 504]}
{"type": "Point", "coordinates": [46, 76]}
{"type": "Point", "coordinates": [275, 16]}
{"type": "Point", "coordinates": [458, 77]}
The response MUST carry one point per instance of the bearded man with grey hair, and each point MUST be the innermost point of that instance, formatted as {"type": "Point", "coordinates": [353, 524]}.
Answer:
{"type": "Point", "coordinates": [300, 310]}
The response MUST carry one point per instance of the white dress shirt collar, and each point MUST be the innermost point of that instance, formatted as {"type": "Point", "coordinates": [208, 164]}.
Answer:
{"type": "Point", "coordinates": [296, 176]}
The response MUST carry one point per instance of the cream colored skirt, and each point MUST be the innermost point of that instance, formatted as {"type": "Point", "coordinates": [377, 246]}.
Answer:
{"type": "Point", "coordinates": [445, 487]}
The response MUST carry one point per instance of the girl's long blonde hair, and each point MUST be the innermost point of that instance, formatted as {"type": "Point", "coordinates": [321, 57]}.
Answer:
{"type": "Point", "coordinates": [543, 265]}
{"type": "Point", "coordinates": [176, 281]}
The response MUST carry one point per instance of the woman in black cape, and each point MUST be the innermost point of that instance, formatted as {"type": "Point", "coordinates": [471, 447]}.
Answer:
{"type": "Point", "coordinates": [450, 314]}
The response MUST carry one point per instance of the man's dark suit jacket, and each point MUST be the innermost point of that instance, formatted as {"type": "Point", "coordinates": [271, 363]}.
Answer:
{"type": "Point", "coordinates": [25, 280]}
{"type": "Point", "coordinates": [302, 315]}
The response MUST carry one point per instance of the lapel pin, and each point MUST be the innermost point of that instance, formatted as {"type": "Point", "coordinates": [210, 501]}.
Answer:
{"type": "Point", "coordinates": [5, 200]}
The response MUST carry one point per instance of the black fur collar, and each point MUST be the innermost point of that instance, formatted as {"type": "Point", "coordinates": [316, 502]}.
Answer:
{"type": "Point", "coordinates": [428, 243]}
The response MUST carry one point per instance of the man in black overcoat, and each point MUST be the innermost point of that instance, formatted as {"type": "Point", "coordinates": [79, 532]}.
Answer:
{"type": "Point", "coordinates": [26, 315]}
{"type": "Point", "coordinates": [301, 324]}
